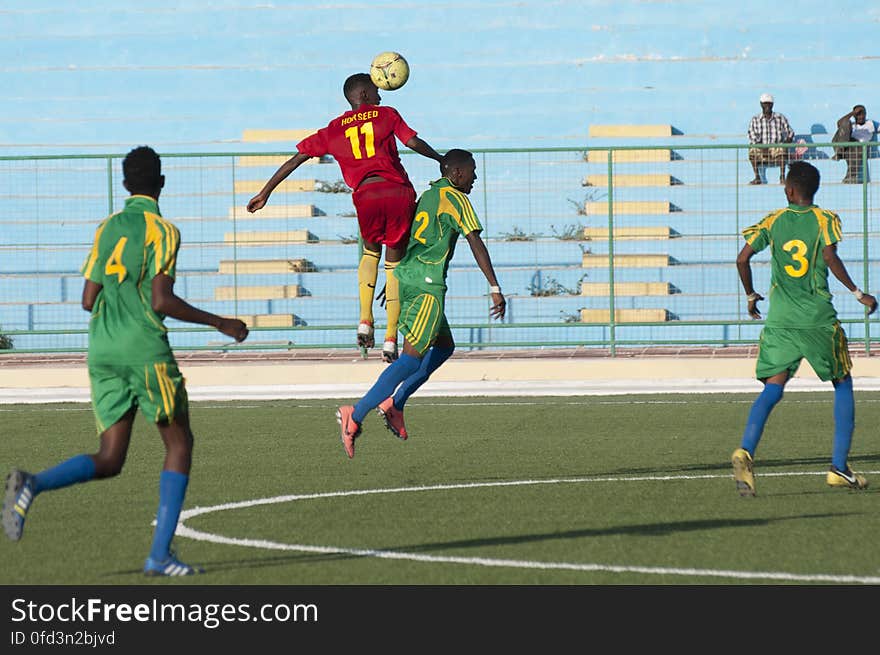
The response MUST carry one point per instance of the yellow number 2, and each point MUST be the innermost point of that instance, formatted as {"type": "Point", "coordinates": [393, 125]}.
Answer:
{"type": "Point", "coordinates": [797, 249]}
{"type": "Point", "coordinates": [422, 218]}
{"type": "Point", "coordinates": [114, 264]}
{"type": "Point", "coordinates": [352, 134]}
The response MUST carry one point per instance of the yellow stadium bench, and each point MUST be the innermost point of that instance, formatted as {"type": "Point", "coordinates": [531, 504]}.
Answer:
{"type": "Point", "coordinates": [271, 320]}
{"type": "Point", "coordinates": [265, 266]}
{"type": "Point", "coordinates": [271, 136]}
{"type": "Point", "coordinates": [630, 131]}
{"type": "Point", "coordinates": [627, 261]}
{"type": "Point", "coordinates": [630, 207]}
{"type": "Point", "coordinates": [603, 289]}
{"type": "Point", "coordinates": [277, 211]}
{"type": "Point", "coordinates": [254, 186]}
{"type": "Point", "coordinates": [628, 180]}
{"type": "Point", "coordinates": [638, 232]}
{"type": "Point", "coordinates": [624, 315]}
{"type": "Point", "coordinates": [290, 236]}
{"type": "Point", "coordinates": [630, 156]}
{"type": "Point", "coordinates": [268, 292]}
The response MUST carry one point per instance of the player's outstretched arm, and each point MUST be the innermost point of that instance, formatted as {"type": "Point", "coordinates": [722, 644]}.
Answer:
{"type": "Point", "coordinates": [166, 302]}
{"type": "Point", "coordinates": [481, 256]}
{"type": "Point", "coordinates": [259, 201]}
{"type": "Point", "coordinates": [421, 146]}
{"type": "Point", "coordinates": [836, 266]}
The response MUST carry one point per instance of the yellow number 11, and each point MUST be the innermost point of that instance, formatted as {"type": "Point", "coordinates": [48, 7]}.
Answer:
{"type": "Point", "coordinates": [367, 131]}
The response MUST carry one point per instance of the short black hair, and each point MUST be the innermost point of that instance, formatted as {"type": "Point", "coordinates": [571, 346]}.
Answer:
{"type": "Point", "coordinates": [803, 177]}
{"type": "Point", "coordinates": [142, 170]}
{"type": "Point", "coordinates": [455, 157]}
{"type": "Point", "coordinates": [355, 83]}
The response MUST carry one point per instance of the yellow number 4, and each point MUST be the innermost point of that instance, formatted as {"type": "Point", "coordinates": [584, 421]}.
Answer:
{"type": "Point", "coordinates": [114, 264]}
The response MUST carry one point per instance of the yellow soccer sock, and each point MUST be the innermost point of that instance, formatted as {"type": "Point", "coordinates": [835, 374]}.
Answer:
{"type": "Point", "coordinates": [392, 301]}
{"type": "Point", "coordinates": [368, 271]}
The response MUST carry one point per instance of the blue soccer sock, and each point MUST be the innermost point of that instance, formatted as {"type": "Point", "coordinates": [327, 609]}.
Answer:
{"type": "Point", "coordinates": [76, 469]}
{"type": "Point", "coordinates": [392, 376]}
{"type": "Point", "coordinates": [172, 489]}
{"type": "Point", "coordinates": [759, 414]}
{"type": "Point", "coordinates": [844, 422]}
{"type": "Point", "coordinates": [430, 363]}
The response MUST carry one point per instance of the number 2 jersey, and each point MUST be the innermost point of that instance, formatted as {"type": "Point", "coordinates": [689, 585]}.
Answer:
{"type": "Point", "coordinates": [362, 141]}
{"type": "Point", "coordinates": [130, 249]}
{"type": "Point", "coordinates": [442, 214]}
{"type": "Point", "coordinates": [799, 295]}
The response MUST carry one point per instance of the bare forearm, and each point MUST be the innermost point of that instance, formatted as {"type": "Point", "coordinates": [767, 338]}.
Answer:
{"type": "Point", "coordinates": [420, 146]}
{"type": "Point", "coordinates": [745, 275]}
{"type": "Point", "coordinates": [481, 256]}
{"type": "Point", "coordinates": [283, 171]}
{"type": "Point", "coordinates": [176, 307]}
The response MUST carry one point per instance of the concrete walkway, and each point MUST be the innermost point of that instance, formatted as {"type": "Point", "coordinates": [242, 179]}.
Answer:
{"type": "Point", "coordinates": [335, 374]}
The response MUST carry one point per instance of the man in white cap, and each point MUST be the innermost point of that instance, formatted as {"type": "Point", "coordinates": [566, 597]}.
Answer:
{"type": "Point", "coordinates": [769, 127]}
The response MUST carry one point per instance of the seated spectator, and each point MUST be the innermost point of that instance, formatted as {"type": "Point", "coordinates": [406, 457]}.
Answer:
{"type": "Point", "coordinates": [769, 127]}
{"type": "Point", "coordinates": [853, 127]}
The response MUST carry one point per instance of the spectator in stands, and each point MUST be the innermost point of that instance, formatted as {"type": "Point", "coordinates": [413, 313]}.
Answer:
{"type": "Point", "coordinates": [802, 322]}
{"type": "Point", "coordinates": [853, 126]}
{"type": "Point", "coordinates": [443, 213]}
{"type": "Point", "coordinates": [769, 127]}
{"type": "Point", "coordinates": [129, 290]}
{"type": "Point", "coordinates": [362, 141]}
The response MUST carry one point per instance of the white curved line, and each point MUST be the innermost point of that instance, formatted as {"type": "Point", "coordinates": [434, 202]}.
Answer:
{"type": "Point", "coordinates": [184, 531]}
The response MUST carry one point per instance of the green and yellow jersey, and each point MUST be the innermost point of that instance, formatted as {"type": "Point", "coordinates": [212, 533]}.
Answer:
{"type": "Point", "coordinates": [442, 214]}
{"type": "Point", "coordinates": [799, 295]}
{"type": "Point", "coordinates": [130, 249]}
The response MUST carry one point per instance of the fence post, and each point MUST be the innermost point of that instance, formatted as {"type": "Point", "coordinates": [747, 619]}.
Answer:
{"type": "Point", "coordinates": [611, 301]}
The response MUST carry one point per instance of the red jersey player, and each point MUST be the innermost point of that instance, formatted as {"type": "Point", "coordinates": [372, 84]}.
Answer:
{"type": "Point", "coordinates": [362, 141]}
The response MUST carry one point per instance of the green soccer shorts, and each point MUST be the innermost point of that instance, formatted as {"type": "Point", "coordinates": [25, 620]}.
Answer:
{"type": "Point", "coordinates": [825, 348]}
{"type": "Point", "coordinates": [158, 389]}
{"type": "Point", "coordinates": [422, 318]}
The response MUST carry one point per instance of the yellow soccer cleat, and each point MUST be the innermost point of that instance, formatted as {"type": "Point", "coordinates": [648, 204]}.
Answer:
{"type": "Point", "coordinates": [848, 479]}
{"type": "Point", "coordinates": [742, 472]}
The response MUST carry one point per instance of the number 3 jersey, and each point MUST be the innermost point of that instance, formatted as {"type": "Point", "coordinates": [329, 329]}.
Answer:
{"type": "Point", "coordinates": [799, 295]}
{"type": "Point", "coordinates": [362, 141]}
{"type": "Point", "coordinates": [130, 249]}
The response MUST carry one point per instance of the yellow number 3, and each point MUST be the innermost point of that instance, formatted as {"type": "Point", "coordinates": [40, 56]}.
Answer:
{"type": "Point", "coordinates": [114, 264]}
{"type": "Point", "coordinates": [797, 249]}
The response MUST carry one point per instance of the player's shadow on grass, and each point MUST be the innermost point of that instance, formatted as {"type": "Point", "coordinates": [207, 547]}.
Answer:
{"type": "Point", "coordinates": [643, 530]}
{"type": "Point", "coordinates": [248, 563]}
{"type": "Point", "coordinates": [821, 463]}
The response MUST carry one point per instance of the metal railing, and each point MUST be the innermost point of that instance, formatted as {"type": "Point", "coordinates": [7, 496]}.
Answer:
{"type": "Point", "coordinates": [581, 239]}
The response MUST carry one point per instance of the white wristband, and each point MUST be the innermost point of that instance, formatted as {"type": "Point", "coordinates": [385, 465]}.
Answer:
{"type": "Point", "coordinates": [752, 296]}
{"type": "Point", "coordinates": [494, 289]}
{"type": "Point", "coordinates": [858, 293]}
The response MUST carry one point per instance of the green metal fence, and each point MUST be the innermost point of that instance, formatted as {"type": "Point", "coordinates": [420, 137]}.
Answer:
{"type": "Point", "coordinates": [674, 212]}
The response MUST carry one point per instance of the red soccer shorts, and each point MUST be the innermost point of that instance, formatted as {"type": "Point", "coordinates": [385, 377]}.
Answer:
{"type": "Point", "coordinates": [385, 212]}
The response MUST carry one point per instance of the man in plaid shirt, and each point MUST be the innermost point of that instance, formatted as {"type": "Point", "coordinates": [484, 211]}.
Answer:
{"type": "Point", "coordinates": [769, 127]}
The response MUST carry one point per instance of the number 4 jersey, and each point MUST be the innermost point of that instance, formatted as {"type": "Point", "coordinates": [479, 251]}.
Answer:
{"type": "Point", "coordinates": [799, 295]}
{"type": "Point", "coordinates": [130, 249]}
{"type": "Point", "coordinates": [362, 141]}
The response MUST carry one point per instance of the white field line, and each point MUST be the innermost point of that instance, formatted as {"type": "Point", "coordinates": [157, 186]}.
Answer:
{"type": "Point", "coordinates": [185, 531]}
{"type": "Point", "coordinates": [826, 399]}
{"type": "Point", "coordinates": [539, 388]}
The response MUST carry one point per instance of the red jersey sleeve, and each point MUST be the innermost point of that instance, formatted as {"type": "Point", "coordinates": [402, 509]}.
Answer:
{"type": "Point", "coordinates": [363, 142]}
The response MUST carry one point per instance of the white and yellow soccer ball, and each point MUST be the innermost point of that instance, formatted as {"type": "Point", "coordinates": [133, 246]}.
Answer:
{"type": "Point", "coordinates": [389, 70]}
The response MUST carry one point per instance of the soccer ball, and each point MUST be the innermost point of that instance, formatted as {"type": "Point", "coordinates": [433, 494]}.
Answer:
{"type": "Point", "coordinates": [389, 70]}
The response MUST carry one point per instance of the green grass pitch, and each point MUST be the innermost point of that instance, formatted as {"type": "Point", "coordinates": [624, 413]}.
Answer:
{"type": "Point", "coordinates": [497, 491]}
